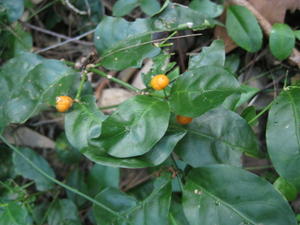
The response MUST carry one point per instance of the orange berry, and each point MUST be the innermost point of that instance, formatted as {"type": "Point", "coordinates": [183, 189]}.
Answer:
{"type": "Point", "coordinates": [159, 82]}
{"type": "Point", "coordinates": [63, 103]}
{"type": "Point", "coordinates": [183, 119]}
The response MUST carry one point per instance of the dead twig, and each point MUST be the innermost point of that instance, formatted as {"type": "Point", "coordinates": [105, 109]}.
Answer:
{"type": "Point", "coordinates": [65, 42]}
{"type": "Point", "coordinates": [45, 31]}
{"type": "Point", "coordinates": [80, 12]}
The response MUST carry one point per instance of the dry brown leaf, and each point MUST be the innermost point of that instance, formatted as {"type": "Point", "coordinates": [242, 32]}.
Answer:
{"type": "Point", "coordinates": [113, 96]}
{"type": "Point", "coordinates": [274, 10]}
{"type": "Point", "coordinates": [24, 136]}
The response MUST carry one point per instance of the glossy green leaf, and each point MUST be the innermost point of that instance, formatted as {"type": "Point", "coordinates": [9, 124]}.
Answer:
{"type": "Point", "coordinates": [115, 47]}
{"type": "Point", "coordinates": [212, 55]}
{"type": "Point", "coordinates": [83, 122]}
{"type": "Point", "coordinates": [29, 83]}
{"type": "Point", "coordinates": [186, 18]}
{"type": "Point", "coordinates": [157, 155]}
{"type": "Point", "coordinates": [282, 41]}
{"type": "Point", "coordinates": [236, 100]}
{"type": "Point", "coordinates": [153, 209]}
{"type": "Point", "coordinates": [283, 135]}
{"type": "Point", "coordinates": [13, 9]}
{"type": "Point", "coordinates": [100, 177]}
{"type": "Point", "coordinates": [247, 93]}
{"type": "Point", "coordinates": [63, 212]}
{"type": "Point", "coordinates": [137, 125]}
{"type": "Point", "coordinates": [288, 190]}
{"type": "Point", "coordinates": [27, 171]}
{"type": "Point", "coordinates": [223, 194]}
{"type": "Point", "coordinates": [243, 28]}
{"type": "Point", "coordinates": [134, 39]}
{"type": "Point", "coordinates": [218, 136]}
{"type": "Point", "coordinates": [207, 8]}
{"type": "Point", "coordinates": [197, 91]}
{"type": "Point", "coordinates": [14, 214]}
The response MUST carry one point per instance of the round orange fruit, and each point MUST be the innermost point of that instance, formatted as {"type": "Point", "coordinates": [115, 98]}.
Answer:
{"type": "Point", "coordinates": [183, 119]}
{"type": "Point", "coordinates": [159, 82]}
{"type": "Point", "coordinates": [63, 103]}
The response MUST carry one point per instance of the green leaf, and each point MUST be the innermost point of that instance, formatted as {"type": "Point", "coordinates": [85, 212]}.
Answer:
{"type": "Point", "coordinates": [212, 55]}
{"type": "Point", "coordinates": [13, 9]}
{"type": "Point", "coordinates": [218, 136]}
{"type": "Point", "coordinates": [22, 41]}
{"type": "Point", "coordinates": [115, 47]}
{"type": "Point", "coordinates": [236, 100]}
{"type": "Point", "coordinates": [223, 194]}
{"type": "Point", "coordinates": [134, 39]}
{"type": "Point", "coordinates": [248, 114]}
{"type": "Point", "coordinates": [286, 189]}
{"type": "Point", "coordinates": [65, 152]}
{"type": "Point", "coordinates": [197, 91]}
{"type": "Point", "coordinates": [83, 122]}
{"type": "Point", "coordinates": [157, 155]}
{"type": "Point", "coordinates": [186, 18]}
{"type": "Point", "coordinates": [297, 34]}
{"type": "Point", "coordinates": [100, 177]}
{"type": "Point", "coordinates": [150, 7]}
{"type": "Point", "coordinates": [29, 83]}
{"type": "Point", "coordinates": [63, 212]}
{"type": "Point", "coordinates": [14, 214]}
{"type": "Point", "coordinates": [232, 62]}
{"type": "Point", "coordinates": [76, 179]}
{"type": "Point", "coordinates": [137, 125]}
{"type": "Point", "coordinates": [15, 41]}
{"type": "Point", "coordinates": [176, 215]}
{"type": "Point", "coordinates": [24, 169]}
{"type": "Point", "coordinates": [283, 135]}
{"type": "Point", "coordinates": [152, 210]}
{"type": "Point", "coordinates": [124, 7]}
{"type": "Point", "coordinates": [282, 41]}
{"type": "Point", "coordinates": [243, 28]}
{"type": "Point", "coordinates": [207, 8]}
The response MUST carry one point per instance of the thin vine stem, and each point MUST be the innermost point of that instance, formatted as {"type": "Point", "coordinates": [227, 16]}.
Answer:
{"type": "Point", "coordinates": [109, 107]}
{"type": "Point", "coordinates": [177, 176]}
{"type": "Point", "coordinates": [83, 79]}
{"type": "Point", "coordinates": [261, 113]}
{"type": "Point", "coordinates": [116, 80]}
{"type": "Point", "coordinates": [144, 43]}
{"type": "Point", "coordinates": [259, 167]}
{"type": "Point", "coordinates": [57, 181]}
